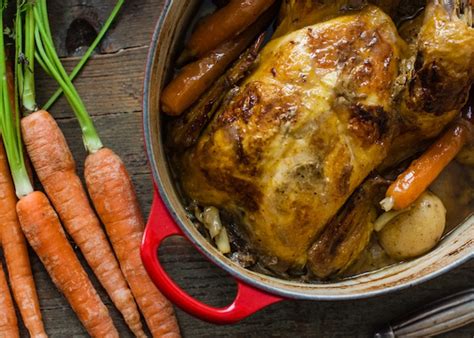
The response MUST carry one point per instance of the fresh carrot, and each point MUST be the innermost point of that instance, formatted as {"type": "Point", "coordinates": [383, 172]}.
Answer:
{"type": "Point", "coordinates": [196, 77]}
{"type": "Point", "coordinates": [43, 230]}
{"type": "Point", "coordinates": [114, 198]}
{"type": "Point", "coordinates": [41, 225]}
{"type": "Point", "coordinates": [13, 241]}
{"type": "Point", "coordinates": [8, 322]}
{"type": "Point", "coordinates": [423, 171]}
{"type": "Point", "coordinates": [224, 24]}
{"type": "Point", "coordinates": [124, 233]}
{"type": "Point", "coordinates": [16, 254]}
{"type": "Point", "coordinates": [56, 170]}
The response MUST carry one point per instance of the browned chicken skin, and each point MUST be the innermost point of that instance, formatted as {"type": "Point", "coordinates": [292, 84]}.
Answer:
{"type": "Point", "coordinates": [323, 109]}
{"type": "Point", "coordinates": [443, 70]}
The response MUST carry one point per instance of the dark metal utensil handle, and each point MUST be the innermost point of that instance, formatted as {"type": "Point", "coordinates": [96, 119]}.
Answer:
{"type": "Point", "coordinates": [441, 316]}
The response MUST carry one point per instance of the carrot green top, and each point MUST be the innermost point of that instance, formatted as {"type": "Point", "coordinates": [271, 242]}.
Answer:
{"type": "Point", "coordinates": [49, 59]}
{"type": "Point", "coordinates": [88, 53]}
{"type": "Point", "coordinates": [25, 45]}
{"type": "Point", "coordinates": [25, 53]}
{"type": "Point", "coordinates": [10, 124]}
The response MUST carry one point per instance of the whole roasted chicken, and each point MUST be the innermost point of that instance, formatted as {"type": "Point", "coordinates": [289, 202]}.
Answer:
{"type": "Point", "coordinates": [338, 94]}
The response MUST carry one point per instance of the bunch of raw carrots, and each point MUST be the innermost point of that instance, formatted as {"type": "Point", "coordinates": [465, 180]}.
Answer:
{"type": "Point", "coordinates": [43, 219]}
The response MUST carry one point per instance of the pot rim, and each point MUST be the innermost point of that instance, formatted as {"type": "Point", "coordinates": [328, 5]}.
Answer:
{"type": "Point", "coordinates": [258, 280]}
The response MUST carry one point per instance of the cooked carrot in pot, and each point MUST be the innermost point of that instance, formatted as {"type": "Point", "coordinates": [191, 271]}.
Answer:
{"type": "Point", "coordinates": [16, 254]}
{"type": "Point", "coordinates": [423, 171]}
{"type": "Point", "coordinates": [184, 131]}
{"type": "Point", "coordinates": [41, 227]}
{"type": "Point", "coordinates": [8, 322]}
{"type": "Point", "coordinates": [225, 24]}
{"type": "Point", "coordinates": [114, 198]}
{"type": "Point", "coordinates": [193, 80]}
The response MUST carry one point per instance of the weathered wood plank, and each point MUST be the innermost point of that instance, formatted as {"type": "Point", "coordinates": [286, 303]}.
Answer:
{"type": "Point", "coordinates": [133, 27]}
{"type": "Point", "coordinates": [111, 86]}
{"type": "Point", "coordinates": [117, 80]}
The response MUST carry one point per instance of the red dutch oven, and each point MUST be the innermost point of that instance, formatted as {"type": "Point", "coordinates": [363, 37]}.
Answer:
{"type": "Point", "coordinates": [255, 291]}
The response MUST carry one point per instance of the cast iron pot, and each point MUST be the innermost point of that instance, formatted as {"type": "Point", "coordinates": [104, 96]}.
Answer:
{"type": "Point", "coordinates": [255, 291]}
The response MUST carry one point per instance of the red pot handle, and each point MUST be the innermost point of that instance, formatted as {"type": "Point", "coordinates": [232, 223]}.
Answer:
{"type": "Point", "coordinates": [160, 226]}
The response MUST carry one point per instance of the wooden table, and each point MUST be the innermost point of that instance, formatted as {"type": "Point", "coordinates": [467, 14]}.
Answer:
{"type": "Point", "coordinates": [111, 86]}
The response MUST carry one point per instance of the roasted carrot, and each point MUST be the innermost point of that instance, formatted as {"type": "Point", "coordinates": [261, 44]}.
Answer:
{"type": "Point", "coordinates": [114, 198]}
{"type": "Point", "coordinates": [16, 254]}
{"type": "Point", "coordinates": [8, 322]}
{"type": "Point", "coordinates": [56, 170]}
{"type": "Point", "coordinates": [423, 171]}
{"type": "Point", "coordinates": [43, 230]}
{"type": "Point", "coordinates": [196, 77]}
{"type": "Point", "coordinates": [184, 131]}
{"type": "Point", "coordinates": [224, 24]}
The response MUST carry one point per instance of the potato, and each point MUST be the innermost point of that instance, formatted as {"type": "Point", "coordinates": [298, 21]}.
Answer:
{"type": "Point", "coordinates": [416, 231]}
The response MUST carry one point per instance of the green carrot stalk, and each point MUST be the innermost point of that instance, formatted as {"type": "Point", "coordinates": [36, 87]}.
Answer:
{"type": "Point", "coordinates": [10, 125]}
{"type": "Point", "coordinates": [19, 46]}
{"type": "Point", "coordinates": [28, 95]}
{"type": "Point", "coordinates": [50, 59]}
{"type": "Point", "coordinates": [26, 54]}
{"type": "Point", "coordinates": [88, 53]}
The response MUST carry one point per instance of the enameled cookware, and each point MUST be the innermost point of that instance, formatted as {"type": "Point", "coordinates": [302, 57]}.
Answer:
{"type": "Point", "coordinates": [255, 291]}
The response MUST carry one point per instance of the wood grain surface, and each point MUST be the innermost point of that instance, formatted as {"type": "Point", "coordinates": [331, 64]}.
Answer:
{"type": "Point", "coordinates": [111, 86]}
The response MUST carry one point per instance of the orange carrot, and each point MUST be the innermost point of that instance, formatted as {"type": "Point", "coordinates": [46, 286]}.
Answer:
{"type": "Point", "coordinates": [39, 221]}
{"type": "Point", "coordinates": [8, 322]}
{"type": "Point", "coordinates": [224, 24]}
{"type": "Point", "coordinates": [41, 227]}
{"type": "Point", "coordinates": [16, 254]}
{"type": "Point", "coordinates": [184, 131]}
{"type": "Point", "coordinates": [196, 77]}
{"type": "Point", "coordinates": [114, 198]}
{"type": "Point", "coordinates": [423, 171]}
{"type": "Point", "coordinates": [112, 194]}
{"type": "Point", "coordinates": [56, 169]}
